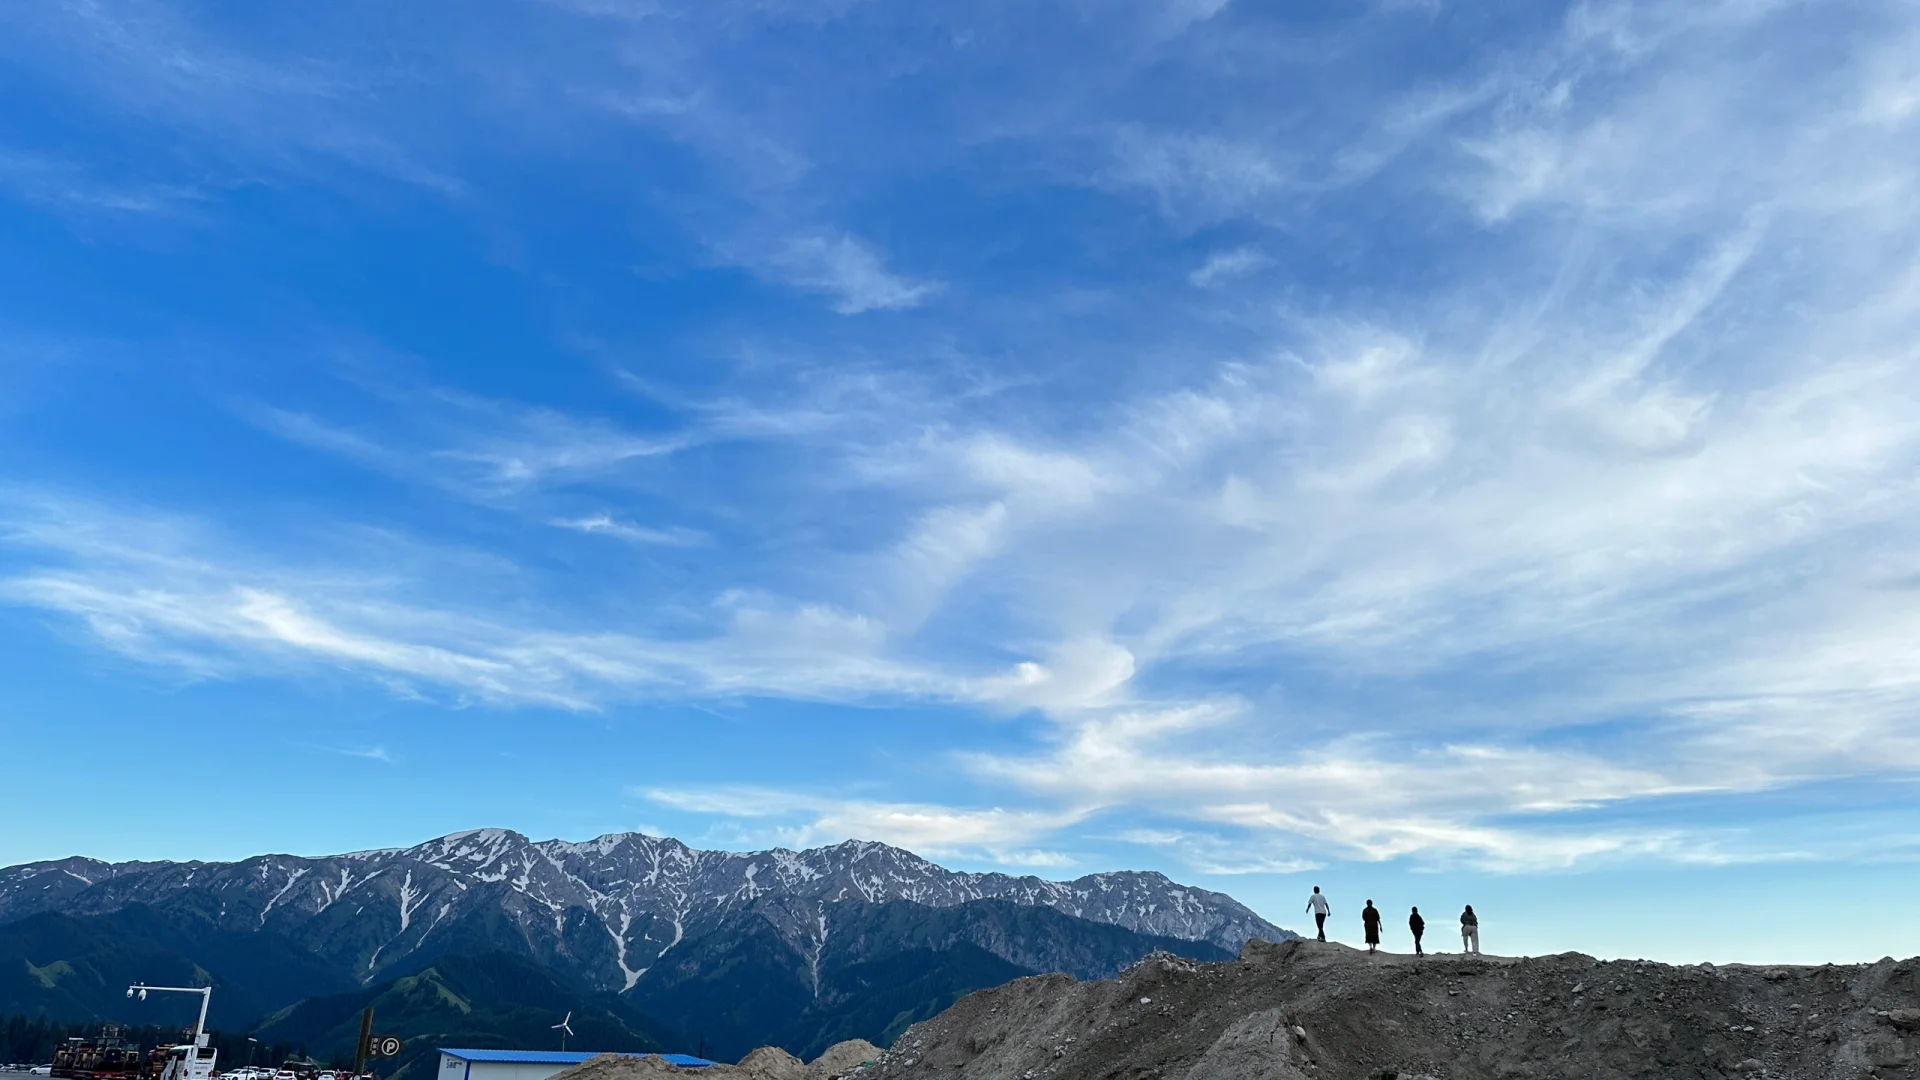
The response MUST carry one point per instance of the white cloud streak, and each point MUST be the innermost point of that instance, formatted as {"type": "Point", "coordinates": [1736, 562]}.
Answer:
{"type": "Point", "coordinates": [846, 269]}
{"type": "Point", "coordinates": [607, 525]}
{"type": "Point", "coordinates": [997, 834]}
{"type": "Point", "coordinates": [1224, 266]}
{"type": "Point", "coordinates": [236, 116]}
{"type": "Point", "coordinates": [1199, 180]}
{"type": "Point", "coordinates": [364, 753]}
{"type": "Point", "coordinates": [173, 593]}
{"type": "Point", "coordinates": [73, 189]}
{"type": "Point", "coordinates": [481, 449]}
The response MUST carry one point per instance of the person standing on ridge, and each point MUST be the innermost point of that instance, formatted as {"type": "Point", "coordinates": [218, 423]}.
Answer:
{"type": "Point", "coordinates": [1317, 903]}
{"type": "Point", "coordinates": [1470, 931]}
{"type": "Point", "coordinates": [1419, 926]}
{"type": "Point", "coordinates": [1370, 918]}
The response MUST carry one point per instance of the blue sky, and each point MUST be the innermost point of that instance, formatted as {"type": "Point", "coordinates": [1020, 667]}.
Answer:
{"type": "Point", "coordinates": [1441, 451]}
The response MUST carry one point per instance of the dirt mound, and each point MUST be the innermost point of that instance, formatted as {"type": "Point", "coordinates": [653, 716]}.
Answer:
{"type": "Point", "coordinates": [1305, 1009]}
{"type": "Point", "coordinates": [842, 1058]}
{"type": "Point", "coordinates": [620, 1067]}
{"type": "Point", "coordinates": [766, 1063]}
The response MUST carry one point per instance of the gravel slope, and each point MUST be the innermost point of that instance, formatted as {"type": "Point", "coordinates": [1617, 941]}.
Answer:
{"type": "Point", "coordinates": [1304, 1009]}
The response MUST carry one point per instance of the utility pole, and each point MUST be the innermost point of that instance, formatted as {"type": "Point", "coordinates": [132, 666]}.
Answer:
{"type": "Point", "coordinates": [366, 1038]}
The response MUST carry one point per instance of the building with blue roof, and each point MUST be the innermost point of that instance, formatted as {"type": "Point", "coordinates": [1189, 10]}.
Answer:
{"type": "Point", "coordinates": [463, 1064]}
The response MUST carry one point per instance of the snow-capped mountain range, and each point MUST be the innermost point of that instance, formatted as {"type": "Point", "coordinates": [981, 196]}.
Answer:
{"type": "Point", "coordinates": [605, 910]}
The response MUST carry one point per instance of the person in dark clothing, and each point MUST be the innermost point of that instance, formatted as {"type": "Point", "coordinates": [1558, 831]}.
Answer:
{"type": "Point", "coordinates": [1470, 932]}
{"type": "Point", "coordinates": [1370, 918]}
{"type": "Point", "coordinates": [1419, 926]}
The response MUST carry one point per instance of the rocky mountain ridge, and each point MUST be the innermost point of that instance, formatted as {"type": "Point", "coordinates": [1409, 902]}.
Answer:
{"type": "Point", "coordinates": [604, 911]}
{"type": "Point", "coordinates": [876, 969]}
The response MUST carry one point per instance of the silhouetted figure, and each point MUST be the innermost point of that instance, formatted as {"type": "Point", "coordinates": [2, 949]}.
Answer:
{"type": "Point", "coordinates": [1419, 926]}
{"type": "Point", "coordinates": [1470, 931]}
{"type": "Point", "coordinates": [1370, 918]}
{"type": "Point", "coordinates": [1317, 903]}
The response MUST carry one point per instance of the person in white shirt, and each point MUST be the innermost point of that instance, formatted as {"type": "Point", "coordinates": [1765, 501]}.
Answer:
{"type": "Point", "coordinates": [1317, 903]}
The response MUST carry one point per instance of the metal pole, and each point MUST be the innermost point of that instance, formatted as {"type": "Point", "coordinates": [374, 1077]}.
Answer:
{"type": "Point", "coordinates": [366, 1033]}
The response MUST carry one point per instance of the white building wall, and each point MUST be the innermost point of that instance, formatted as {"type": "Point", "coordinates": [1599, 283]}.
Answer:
{"type": "Point", "coordinates": [453, 1068]}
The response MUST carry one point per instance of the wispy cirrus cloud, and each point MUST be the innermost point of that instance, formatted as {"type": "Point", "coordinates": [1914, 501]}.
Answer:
{"type": "Point", "coordinates": [606, 525]}
{"type": "Point", "coordinates": [1531, 455]}
{"type": "Point", "coordinates": [802, 819]}
{"type": "Point", "coordinates": [237, 116]}
{"type": "Point", "coordinates": [845, 269]}
{"type": "Point", "coordinates": [364, 753]}
{"type": "Point", "coordinates": [480, 448]}
{"type": "Point", "coordinates": [1199, 179]}
{"type": "Point", "coordinates": [1222, 266]}
{"type": "Point", "coordinates": [71, 188]}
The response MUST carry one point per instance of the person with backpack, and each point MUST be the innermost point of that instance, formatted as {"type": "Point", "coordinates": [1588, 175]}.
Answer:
{"type": "Point", "coordinates": [1419, 926]}
{"type": "Point", "coordinates": [1370, 919]}
{"type": "Point", "coordinates": [1470, 932]}
{"type": "Point", "coordinates": [1317, 903]}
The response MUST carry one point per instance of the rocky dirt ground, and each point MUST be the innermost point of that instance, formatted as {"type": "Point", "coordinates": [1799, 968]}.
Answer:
{"type": "Point", "coordinates": [1306, 1010]}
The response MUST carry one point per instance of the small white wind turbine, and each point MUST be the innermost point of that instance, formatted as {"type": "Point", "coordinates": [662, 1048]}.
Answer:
{"type": "Point", "coordinates": [565, 1028]}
